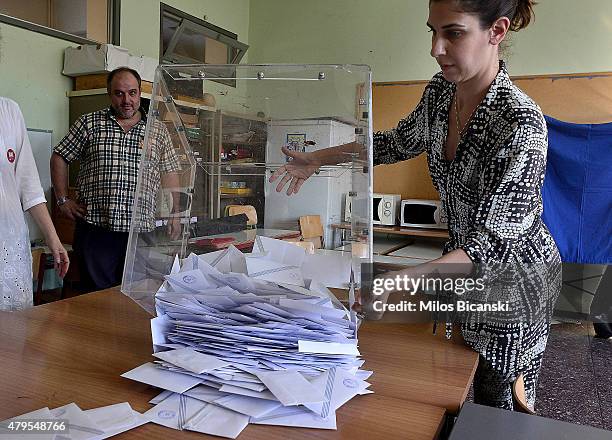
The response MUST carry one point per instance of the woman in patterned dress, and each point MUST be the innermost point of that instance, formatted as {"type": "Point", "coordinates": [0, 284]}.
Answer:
{"type": "Point", "coordinates": [486, 144]}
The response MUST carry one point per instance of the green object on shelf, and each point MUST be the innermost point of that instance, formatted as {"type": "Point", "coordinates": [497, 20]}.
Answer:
{"type": "Point", "coordinates": [193, 132]}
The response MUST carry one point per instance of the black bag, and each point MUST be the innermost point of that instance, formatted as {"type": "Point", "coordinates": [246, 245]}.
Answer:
{"type": "Point", "coordinates": [223, 225]}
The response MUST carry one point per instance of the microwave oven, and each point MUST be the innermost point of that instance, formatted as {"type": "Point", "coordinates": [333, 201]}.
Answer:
{"type": "Point", "coordinates": [417, 213]}
{"type": "Point", "coordinates": [385, 209]}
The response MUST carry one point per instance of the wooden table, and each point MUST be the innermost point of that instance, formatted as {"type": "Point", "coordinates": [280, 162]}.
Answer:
{"type": "Point", "coordinates": [243, 240]}
{"type": "Point", "coordinates": [382, 245]}
{"type": "Point", "coordinates": [75, 350]}
{"type": "Point", "coordinates": [409, 362]}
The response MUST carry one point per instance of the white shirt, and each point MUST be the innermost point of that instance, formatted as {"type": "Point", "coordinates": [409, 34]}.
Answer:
{"type": "Point", "coordinates": [19, 174]}
{"type": "Point", "coordinates": [20, 190]}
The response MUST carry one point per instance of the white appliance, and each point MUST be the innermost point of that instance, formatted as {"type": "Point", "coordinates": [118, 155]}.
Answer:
{"type": "Point", "coordinates": [417, 213]}
{"type": "Point", "coordinates": [385, 209]}
{"type": "Point", "coordinates": [322, 194]}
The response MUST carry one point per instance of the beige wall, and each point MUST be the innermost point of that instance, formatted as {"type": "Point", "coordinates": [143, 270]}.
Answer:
{"type": "Point", "coordinates": [391, 36]}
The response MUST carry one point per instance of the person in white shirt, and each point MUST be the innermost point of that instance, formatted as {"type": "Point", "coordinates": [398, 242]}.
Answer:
{"type": "Point", "coordinates": [20, 191]}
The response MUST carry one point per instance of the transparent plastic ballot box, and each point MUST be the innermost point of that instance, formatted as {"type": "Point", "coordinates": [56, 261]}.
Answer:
{"type": "Point", "coordinates": [213, 139]}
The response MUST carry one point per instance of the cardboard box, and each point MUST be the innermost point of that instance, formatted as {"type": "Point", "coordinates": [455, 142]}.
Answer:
{"type": "Point", "coordinates": [145, 66]}
{"type": "Point", "coordinates": [89, 59]}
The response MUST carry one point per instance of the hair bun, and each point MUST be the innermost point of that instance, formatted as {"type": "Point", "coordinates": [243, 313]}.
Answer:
{"type": "Point", "coordinates": [524, 14]}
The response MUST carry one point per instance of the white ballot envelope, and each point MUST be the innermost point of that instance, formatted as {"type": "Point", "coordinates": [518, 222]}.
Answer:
{"type": "Point", "coordinates": [148, 373]}
{"type": "Point", "coordinates": [192, 281]}
{"type": "Point", "coordinates": [226, 260]}
{"type": "Point", "coordinates": [115, 419]}
{"type": "Point", "coordinates": [191, 360]}
{"type": "Point", "coordinates": [290, 387]}
{"type": "Point", "coordinates": [81, 425]}
{"type": "Point", "coordinates": [332, 269]}
{"type": "Point", "coordinates": [297, 417]}
{"type": "Point", "coordinates": [268, 270]}
{"type": "Point", "coordinates": [340, 387]}
{"type": "Point", "coordinates": [280, 251]}
{"type": "Point", "coordinates": [184, 412]}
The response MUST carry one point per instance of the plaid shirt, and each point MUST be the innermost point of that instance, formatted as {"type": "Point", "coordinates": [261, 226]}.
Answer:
{"type": "Point", "coordinates": [109, 164]}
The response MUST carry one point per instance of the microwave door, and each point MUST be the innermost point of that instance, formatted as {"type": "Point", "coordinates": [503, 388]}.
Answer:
{"type": "Point", "coordinates": [376, 212]}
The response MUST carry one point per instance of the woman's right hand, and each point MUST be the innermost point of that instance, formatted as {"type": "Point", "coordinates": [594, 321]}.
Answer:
{"type": "Point", "coordinates": [300, 168]}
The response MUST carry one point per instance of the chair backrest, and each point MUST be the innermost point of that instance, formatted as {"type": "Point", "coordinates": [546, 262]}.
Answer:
{"type": "Point", "coordinates": [518, 396]}
{"type": "Point", "coordinates": [311, 229]}
{"type": "Point", "coordinates": [37, 253]}
{"type": "Point", "coordinates": [249, 210]}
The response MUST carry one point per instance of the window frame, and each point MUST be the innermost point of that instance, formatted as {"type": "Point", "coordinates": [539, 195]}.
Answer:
{"type": "Point", "coordinates": [189, 22]}
{"type": "Point", "coordinates": [114, 13]}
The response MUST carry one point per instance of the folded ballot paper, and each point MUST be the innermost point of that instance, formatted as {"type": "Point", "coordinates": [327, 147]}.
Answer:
{"type": "Point", "coordinates": [248, 338]}
{"type": "Point", "coordinates": [70, 422]}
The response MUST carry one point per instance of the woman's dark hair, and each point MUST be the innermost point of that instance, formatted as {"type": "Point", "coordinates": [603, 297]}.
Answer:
{"type": "Point", "coordinates": [520, 12]}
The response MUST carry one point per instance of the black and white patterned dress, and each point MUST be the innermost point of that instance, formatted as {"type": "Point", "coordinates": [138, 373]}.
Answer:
{"type": "Point", "coordinates": [491, 192]}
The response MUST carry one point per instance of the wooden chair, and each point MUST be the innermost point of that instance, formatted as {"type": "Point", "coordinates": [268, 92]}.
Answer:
{"type": "Point", "coordinates": [311, 229]}
{"type": "Point", "coordinates": [249, 210]}
{"type": "Point", "coordinates": [518, 396]}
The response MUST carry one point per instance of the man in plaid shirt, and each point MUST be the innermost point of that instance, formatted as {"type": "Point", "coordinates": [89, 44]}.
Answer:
{"type": "Point", "coordinates": [108, 143]}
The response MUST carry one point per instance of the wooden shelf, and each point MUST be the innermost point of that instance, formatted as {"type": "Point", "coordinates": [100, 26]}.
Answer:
{"type": "Point", "coordinates": [245, 144]}
{"type": "Point", "coordinates": [417, 232]}
{"type": "Point", "coordinates": [237, 196]}
{"type": "Point", "coordinates": [90, 92]}
{"type": "Point", "coordinates": [396, 230]}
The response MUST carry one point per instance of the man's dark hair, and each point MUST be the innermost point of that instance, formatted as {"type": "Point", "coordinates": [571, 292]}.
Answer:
{"type": "Point", "coordinates": [118, 70]}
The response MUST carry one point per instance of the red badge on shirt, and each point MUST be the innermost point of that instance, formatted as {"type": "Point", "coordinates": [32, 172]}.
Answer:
{"type": "Point", "coordinates": [10, 155]}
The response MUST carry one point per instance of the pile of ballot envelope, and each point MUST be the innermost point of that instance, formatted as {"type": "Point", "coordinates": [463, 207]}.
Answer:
{"type": "Point", "coordinates": [248, 338]}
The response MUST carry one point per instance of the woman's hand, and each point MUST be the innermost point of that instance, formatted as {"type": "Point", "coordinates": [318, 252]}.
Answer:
{"type": "Point", "coordinates": [43, 219]}
{"type": "Point", "coordinates": [386, 283]}
{"type": "Point", "coordinates": [60, 257]}
{"type": "Point", "coordinates": [301, 167]}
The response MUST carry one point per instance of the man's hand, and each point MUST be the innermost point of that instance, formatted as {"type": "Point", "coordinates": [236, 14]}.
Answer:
{"type": "Point", "coordinates": [174, 228]}
{"type": "Point", "coordinates": [73, 210]}
{"type": "Point", "coordinates": [301, 167]}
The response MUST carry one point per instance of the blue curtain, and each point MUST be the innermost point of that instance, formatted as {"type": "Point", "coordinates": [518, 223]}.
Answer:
{"type": "Point", "coordinates": [577, 191]}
